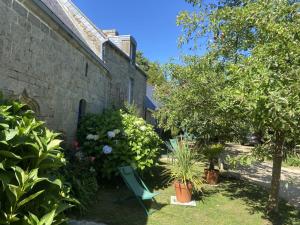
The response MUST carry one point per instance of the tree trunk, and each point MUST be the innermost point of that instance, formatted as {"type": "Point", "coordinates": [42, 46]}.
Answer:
{"type": "Point", "coordinates": [276, 172]}
{"type": "Point", "coordinates": [211, 165]}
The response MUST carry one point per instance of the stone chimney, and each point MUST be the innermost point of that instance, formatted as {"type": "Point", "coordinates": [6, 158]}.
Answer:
{"type": "Point", "coordinates": [125, 42]}
{"type": "Point", "coordinates": [111, 33]}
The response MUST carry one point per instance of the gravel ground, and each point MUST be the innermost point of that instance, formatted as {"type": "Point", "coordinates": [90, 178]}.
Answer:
{"type": "Point", "coordinates": [261, 173]}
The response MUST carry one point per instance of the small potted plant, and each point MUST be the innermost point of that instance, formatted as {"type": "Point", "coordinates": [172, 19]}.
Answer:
{"type": "Point", "coordinates": [212, 153]}
{"type": "Point", "coordinates": [186, 179]}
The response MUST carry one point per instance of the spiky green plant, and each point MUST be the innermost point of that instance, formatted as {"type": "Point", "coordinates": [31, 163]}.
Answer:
{"type": "Point", "coordinates": [183, 169]}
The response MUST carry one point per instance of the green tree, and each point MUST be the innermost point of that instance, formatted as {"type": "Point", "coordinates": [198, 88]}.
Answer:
{"type": "Point", "coordinates": [191, 99]}
{"type": "Point", "coordinates": [152, 69]}
{"type": "Point", "coordinates": [258, 43]}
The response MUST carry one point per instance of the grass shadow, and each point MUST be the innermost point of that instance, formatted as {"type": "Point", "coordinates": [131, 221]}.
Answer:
{"type": "Point", "coordinates": [158, 178]}
{"type": "Point", "coordinates": [256, 198]}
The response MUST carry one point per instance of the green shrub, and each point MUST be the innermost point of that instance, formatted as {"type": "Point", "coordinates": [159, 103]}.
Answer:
{"type": "Point", "coordinates": [30, 155]}
{"type": "Point", "coordinates": [117, 138]}
{"type": "Point", "coordinates": [211, 153]}
{"type": "Point", "coordinates": [81, 176]}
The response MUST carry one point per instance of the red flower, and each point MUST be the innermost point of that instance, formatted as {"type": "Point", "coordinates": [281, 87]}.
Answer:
{"type": "Point", "coordinates": [92, 158]}
{"type": "Point", "coordinates": [76, 145]}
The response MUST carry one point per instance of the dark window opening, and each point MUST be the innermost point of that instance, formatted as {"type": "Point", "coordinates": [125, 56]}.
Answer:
{"type": "Point", "coordinates": [81, 111]}
{"type": "Point", "coordinates": [86, 69]}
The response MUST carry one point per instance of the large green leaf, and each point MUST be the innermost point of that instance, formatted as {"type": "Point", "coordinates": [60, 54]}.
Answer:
{"type": "Point", "coordinates": [54, 144]}
{"type": "Point", "coordinates": [10, 134]}
{"type": "Point", "coordinates": [48, 218]}
{"type": "Point", "coordinates": [29, 198]}
{"type": "Point", "coordinates": [4, 125]}
{"type": "Point", "coordinates": [20, 175]}
{"type": "Point", "coordinates": [31, 219]}
{"type": "Point", "coordinates": [9, 155]}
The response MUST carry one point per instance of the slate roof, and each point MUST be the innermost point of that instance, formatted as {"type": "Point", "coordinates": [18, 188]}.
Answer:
{"type": "Point", "coordinates": [56, 8]}
{"type": "Point", "coordinates": [150, 103]}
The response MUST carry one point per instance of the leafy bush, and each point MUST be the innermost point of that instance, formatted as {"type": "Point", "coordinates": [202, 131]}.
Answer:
{"type": "Point", "coordinates": [118, 138]}
{"type": "Point", "coordinates": [30, 155]}
{"type": "Point", "coordinates": [211, 153]}
{"type": "Point", "coordinates": [81, 176]}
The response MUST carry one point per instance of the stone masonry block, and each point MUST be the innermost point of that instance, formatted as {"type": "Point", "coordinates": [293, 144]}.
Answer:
{"type": "Point", "coordinates": [20, 9]}
{"type": "Point", "coordinates": [7, 2]}
{"type": "Point", "coordinates": [33, 20]}
{"type": "Point", "coordinates": [44, 28]}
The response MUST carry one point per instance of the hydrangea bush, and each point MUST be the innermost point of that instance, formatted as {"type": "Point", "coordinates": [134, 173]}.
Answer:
{"type": "Point", "coordinates": [118, 138]}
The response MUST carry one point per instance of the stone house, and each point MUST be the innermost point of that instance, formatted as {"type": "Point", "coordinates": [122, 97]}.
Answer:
{"type": "Point", "coordinates": [56, 60]}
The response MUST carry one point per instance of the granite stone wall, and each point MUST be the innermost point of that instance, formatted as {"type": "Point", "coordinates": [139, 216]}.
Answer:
{"type": "Point", "coordinates": [41, 67]}
{"type": "Point", "coordinates": [122, 70]}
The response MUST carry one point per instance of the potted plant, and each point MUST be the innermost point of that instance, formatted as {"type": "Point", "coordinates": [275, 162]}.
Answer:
{"type": "Point", "coordinates": [186, 179]}
{"type": "Point", "coordinates": [212, 153]}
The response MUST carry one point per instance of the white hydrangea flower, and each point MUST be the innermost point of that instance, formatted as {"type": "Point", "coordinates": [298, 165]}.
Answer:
{"type": "Point", "coordinates": [143, 128]}
{"type": "Point", "coordinates": [96, 137]}
{"type": "Point", "coordinates": [90, 137]}
{"type": "Point", "coordinates": [107, 149]}
{"type": "Point", "coordinates": [111, 134]}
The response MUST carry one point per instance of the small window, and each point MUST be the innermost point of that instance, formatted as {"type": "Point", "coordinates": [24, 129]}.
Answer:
{"type": "Point", "coordinates": [86, 69]}
{"type": "Point", "coordinates": [130, 90]}
{"type": "Point", "coordinates": [81, 110]}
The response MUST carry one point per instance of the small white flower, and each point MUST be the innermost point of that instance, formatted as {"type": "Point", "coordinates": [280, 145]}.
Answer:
{"type": "Point", "coordinates": [92, 170]}
{"type": "Point", "coordinates": [111, 134]}
{"type": "Point", "coordinates": [96, 137]}
{"type": "Point", "coordinates": [143, 128]}
{"type": "Point", "coordinates": [90, 137]}
{"type": "Point", "coordinates": [107, 149]}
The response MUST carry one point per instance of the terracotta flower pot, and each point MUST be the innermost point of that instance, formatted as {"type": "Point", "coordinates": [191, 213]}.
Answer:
{"type": "Point", "coordinates": [205, 174]}
{"type": "Point", "coordinates": [212, 176]}
{"type": "Point", "coordinates": [183, 192]}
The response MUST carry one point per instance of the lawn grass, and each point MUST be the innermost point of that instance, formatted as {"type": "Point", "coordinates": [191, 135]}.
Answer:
{"type": "Point", "coordinates": [232, 202]}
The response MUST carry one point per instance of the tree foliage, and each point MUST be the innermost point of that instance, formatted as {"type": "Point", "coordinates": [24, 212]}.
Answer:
{"type": "Point", "coordinates": [152, 69]}
{"type": "Point", "coordinates": [251, 77]}
{"type": "Point", "coordinates": [192, 99]}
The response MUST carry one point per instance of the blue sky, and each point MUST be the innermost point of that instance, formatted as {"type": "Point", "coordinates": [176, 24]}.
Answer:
{"type": "Point", "coordinates": [151, 22]}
